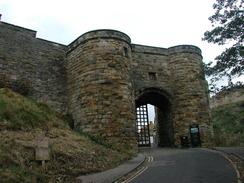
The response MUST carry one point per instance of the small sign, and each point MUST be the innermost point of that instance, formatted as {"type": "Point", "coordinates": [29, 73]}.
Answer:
{"type": "Point", "coordinates": [194, 130]}
{"type": "Point", "coordinates": [42, 148]}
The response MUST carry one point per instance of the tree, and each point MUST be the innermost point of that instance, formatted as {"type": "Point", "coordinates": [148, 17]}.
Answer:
{"type": "Point", "coordinates": [228, 28]}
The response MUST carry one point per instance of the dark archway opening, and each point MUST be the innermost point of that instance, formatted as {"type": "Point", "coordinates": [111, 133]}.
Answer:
{"type": "Point", "coordinates": [163, 120]}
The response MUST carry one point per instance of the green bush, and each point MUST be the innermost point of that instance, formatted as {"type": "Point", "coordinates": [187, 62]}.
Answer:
{"type": "Point", "coordinates": [228, 124]}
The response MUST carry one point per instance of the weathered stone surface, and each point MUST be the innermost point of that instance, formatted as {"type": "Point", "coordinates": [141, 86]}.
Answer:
{"type": "Point", "coordinates": [100, 91]}
{"type": "Point", "coordinates": [36, 61]}
{"type": "Point", "coordinates": [101, 77]}
{"type": "Point", "coordinates": [227, 97]}
{"type": "Point", "coordinates": [190, 92]}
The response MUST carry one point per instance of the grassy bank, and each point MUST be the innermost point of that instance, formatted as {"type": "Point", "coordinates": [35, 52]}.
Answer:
{"type": "Point", "coordinates": [228, 124]}
{"type": "Point", "coordinates": [71, 153]}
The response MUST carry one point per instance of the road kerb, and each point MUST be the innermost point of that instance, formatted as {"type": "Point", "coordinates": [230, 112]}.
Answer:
{"type": "Point", "coordinates": [136, 172]}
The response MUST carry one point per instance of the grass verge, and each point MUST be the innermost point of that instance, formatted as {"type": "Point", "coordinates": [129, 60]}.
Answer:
{"type": "Point", "coordinates": [71, 153]}
{"type": "Point", "coordinates": [228, 124]}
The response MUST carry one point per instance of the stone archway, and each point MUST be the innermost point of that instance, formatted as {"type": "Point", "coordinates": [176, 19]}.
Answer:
{"type": "Point", "coordinates": [164, 125]}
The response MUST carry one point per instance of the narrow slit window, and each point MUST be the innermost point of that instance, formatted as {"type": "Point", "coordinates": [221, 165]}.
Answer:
{"type": "Point", "coordinates": [126, 54]}
{"type": "Point", "coordinates": [152, 76]}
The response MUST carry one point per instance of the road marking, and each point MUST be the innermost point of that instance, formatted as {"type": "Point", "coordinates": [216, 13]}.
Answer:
{"type": "Point", "coordinates": [140, 171]}
{"type": "Point", "coordinates": [150, 159]}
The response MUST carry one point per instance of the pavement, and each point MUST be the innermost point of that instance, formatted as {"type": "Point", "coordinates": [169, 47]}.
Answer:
{"type": "Point", "coordinates": [112, 175]}
{"type": "Point", "coordinates": [237, 151]}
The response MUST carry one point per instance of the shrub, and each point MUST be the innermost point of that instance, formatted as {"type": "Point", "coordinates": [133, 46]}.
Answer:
{"type": "Point", "coordinates": [228, 124]}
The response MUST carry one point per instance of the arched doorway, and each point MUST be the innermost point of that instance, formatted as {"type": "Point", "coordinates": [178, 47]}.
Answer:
{"type": "Point", "coordinates": [163, 119]}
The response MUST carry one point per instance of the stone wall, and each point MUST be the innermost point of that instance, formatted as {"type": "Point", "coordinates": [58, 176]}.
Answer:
{"type": "Point", "coordinates": [179, 77]}
{"type": "Point", "coordinates": [191, 104]}
{"type": "Point", "coordinates": [148, 61]}
{"type": "Point", "coordinates": [99, 87]}
{"type": "Point", "coordinates": [227, 97]}
{"type": "Point", "coordinates": [101, 77]}
{"type": "Point", "coordinates": [38, 62]}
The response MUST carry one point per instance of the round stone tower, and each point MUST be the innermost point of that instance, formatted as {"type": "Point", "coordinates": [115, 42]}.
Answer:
{"type": "Point", "coordinates": [190, 92]}
{"type": "Point", "coordinates": [99, 87]}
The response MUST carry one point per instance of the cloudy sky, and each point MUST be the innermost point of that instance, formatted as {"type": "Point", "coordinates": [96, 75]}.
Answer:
{"type": "Point", "coordinates": [161, 23]}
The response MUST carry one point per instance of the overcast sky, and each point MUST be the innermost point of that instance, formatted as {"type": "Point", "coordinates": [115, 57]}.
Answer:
{"type": "Point", "coordinates": [161, 23]}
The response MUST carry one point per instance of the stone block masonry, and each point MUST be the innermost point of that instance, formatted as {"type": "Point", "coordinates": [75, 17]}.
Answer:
{"type": "Point", "coordinates": [227, 97]}
{"type": "Point", "coordinates": [99, 87]}
{"type": "Point", "coordinates": [101, 77]}
{"type": "Point", "coordinates": [35, 61]}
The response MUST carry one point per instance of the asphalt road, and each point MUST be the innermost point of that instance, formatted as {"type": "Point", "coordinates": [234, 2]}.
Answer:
{"type": "Point", "coordinates": [186, 166]}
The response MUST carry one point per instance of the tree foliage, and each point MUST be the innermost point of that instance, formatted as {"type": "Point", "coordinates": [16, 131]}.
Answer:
{"type": "Point", "coordinates": [228, 28]}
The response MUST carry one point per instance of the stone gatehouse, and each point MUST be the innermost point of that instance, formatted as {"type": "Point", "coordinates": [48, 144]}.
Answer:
{"type": "Point", "coordinates": [101, 77]}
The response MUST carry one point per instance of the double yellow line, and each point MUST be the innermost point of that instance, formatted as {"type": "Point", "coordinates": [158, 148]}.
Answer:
{"type": "Point", "coordinates": [140, 171]}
